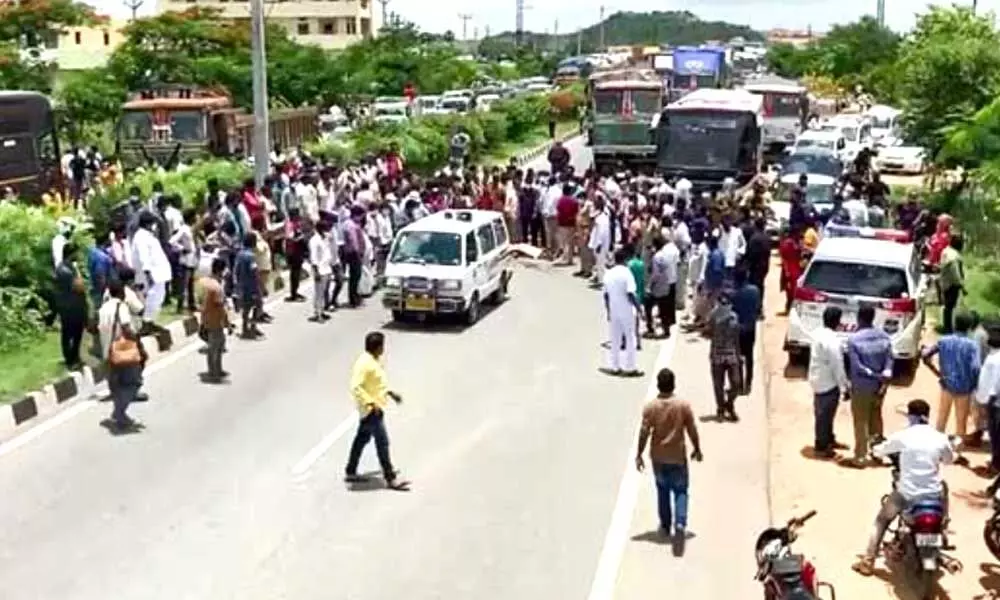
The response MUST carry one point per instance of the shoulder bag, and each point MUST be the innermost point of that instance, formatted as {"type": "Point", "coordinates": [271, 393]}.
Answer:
{"type": "Point", "coordinates": [122, 352]}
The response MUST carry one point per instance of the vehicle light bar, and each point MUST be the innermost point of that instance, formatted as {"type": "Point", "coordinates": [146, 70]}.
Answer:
{"type": "Point", "coordinates": [850, 231]}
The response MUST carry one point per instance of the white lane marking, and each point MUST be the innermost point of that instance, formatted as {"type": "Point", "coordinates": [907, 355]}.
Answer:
{"type": "Point", "coordinates": [78, 408]}
{"type": "Point", "coordinates": [616, 540]}
{"type": "Point", "coordinates": [300, 471]}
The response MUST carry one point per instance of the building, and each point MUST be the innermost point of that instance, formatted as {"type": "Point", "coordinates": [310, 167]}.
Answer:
{"type": "Point", "coordinates": [80, 48]}
{"type": "Point", "coordinates": [792, 36]}
{"type": "Point", "coordinates": [331, 24]}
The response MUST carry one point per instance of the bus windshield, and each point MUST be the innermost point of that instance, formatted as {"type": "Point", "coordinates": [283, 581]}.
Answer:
{"type": "Point", "coordinates": [646, 102]}
{"type": "Point", "coordinates": [782, 105]}
{"type": "Point", "coordinates": [707, 140]}
{"type": "Point", "coordinates": [185, 125]}
{"type": "Point", "coordinates": [608, 102]}
{"type": "Point", "coordinates": [683, 82]}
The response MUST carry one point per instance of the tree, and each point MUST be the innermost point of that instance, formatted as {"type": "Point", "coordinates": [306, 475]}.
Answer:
{"type": "Point", "coordinates": [948, 69]}
{"type": "Point", "coordinates": [24, 26]}
{"type": "Point", "coordinates": [91, 97]}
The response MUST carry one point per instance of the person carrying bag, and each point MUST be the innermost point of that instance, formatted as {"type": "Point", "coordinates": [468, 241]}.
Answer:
{"type": "Point", "coordinates": [124, 356]}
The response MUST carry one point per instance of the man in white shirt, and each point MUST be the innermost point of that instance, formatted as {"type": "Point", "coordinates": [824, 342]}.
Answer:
{"type": "Point", "coordinates": [731, 243]}
{"type": "Point", "coordinates": [621, 305]}
{"type": "Point", "coordinates": [662, 285]}
{"type": "Point", "coordinates": [988, 398]}
{"type": "Point", "coordinates": [922, 450]}
{"type": "Point", "coordinates": [550, 199]}
{"type": "Point", "coordinates": [152, 267]}
{"type": "Point", "coordinates": [828, 379]}
{"type": "Point", "coordinates": [681, 236]}
{"type": "Point", "coordinates": [65, 226]}
{"type": "Point", "coordinates": [600, 239]}
{"type": "Point", "coordinates": [321, 259]}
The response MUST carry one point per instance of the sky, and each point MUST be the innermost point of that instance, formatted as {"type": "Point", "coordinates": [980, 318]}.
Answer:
{"type": "Point", "coordinates": [543, 15]}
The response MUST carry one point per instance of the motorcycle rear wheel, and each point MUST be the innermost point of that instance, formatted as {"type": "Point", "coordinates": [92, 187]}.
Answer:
{"type": "Point", "coordinates": [991, 535]}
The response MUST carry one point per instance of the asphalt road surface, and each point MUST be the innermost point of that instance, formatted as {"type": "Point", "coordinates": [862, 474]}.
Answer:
{"type": "Point", "coordinates": [515, 444]}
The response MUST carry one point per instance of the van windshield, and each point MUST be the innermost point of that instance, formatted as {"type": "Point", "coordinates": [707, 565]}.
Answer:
{"type": "Point", "coordinates": [856, 279]}
{"type": "Point", "coordinates": [427, 248]}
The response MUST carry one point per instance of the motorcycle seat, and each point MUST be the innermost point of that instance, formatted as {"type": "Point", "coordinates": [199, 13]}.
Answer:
{"type": "Point", "coordinates": [787, 565]}
{"type": "Point", "coordinates": [929, 505]}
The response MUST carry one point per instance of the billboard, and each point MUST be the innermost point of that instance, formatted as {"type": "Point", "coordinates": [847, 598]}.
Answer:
{"type": "Point", "coordinates": [696, 62]}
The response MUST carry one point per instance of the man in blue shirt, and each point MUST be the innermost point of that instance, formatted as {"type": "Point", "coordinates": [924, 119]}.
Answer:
{"type": "Point", "coordinates": [100, 266]}
{"type": "Point", "coordinates": [869, 350]}
{"type": "Point", "coordinates": [247, 288]}
{"type": "Point", "coordinates": [958, 372]}
{"type": "Point", "coordinates": [746, 305]}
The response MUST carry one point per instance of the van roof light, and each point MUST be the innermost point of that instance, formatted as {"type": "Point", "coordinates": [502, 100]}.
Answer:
{"type": "Point", "coordinates": [872, 233]}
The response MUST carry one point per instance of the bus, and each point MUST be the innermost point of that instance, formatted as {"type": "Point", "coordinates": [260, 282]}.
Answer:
{"type": "Point", "coordinates": [711, 135]}
{"type": "Point", "coordinates": [786, 108]}
{"type": "Point", "coordinates": [621, 132]}
{"type": "Point", "coordinates": [29, 146]}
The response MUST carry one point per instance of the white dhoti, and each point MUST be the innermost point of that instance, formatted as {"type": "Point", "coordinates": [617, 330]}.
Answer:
{"type": "Point", "coordinates": [682, 288]}
{"type": "Point", "coordinates": [600, 264]}
{"type": "Point", "coordinates": [621, 327]}
{"type": "Point", "coordinates": [155, 295]}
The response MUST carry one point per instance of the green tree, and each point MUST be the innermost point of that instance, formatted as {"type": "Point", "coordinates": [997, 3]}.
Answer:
{"type": "Point", "coordinates": [948, 69]}
{"type": "Point", "coordinates": [789, 60]}
{"type": "Point", "coordinates": [92, 97]}
{"type": "Point", "coordinates": [24, 26]}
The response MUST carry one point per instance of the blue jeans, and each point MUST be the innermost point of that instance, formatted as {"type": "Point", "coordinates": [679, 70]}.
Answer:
{"type": "Point", "coordinates": [671, 484]}
{"type": "Point", "coordinates": [371, 426]}
{"type": "Point", "coordinates": [824, 411]}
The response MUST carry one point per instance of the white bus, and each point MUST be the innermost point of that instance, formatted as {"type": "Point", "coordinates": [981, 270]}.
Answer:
{"type": "Point", "coordinates": [711, 135]}
{"type": "Point", "coordinates": [786, 107]}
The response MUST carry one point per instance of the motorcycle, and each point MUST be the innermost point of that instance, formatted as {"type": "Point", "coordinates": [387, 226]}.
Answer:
{"type": "Point", "coordinates": [991, 530]}
{"type": "Point", "coordinates": [917, 538]}
{"type": "Point", "coordinates": [783, 574]}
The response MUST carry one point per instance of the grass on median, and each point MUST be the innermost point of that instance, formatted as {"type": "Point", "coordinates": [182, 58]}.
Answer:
{"type": "Point", "coordinates": [29, 368]}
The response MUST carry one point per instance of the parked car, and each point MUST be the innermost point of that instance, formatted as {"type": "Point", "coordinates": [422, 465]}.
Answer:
{"type": "Point", "coordinates": [902, 158]}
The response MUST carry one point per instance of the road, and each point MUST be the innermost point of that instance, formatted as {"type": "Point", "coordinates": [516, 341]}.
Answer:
{"type": "Point", "coordinates": [516, 445]}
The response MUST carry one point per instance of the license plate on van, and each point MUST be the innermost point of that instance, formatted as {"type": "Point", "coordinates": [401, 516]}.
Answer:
{"type": "Point", "coordinates": [420, 303]}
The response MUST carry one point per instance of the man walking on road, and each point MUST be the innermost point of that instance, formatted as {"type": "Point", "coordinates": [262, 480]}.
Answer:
{"type": "Point", "coordinates": [828, 380]}
{"type": "Point", "coordinates": [869, 350]}
{"type": "Point", "coordinates": [622, 305]}
{"type": "Point", "coordinates": [724, 357]}
{"type": "Point", "coordinates": [215, 320]}
{"type": "Point", "coordinates": [666, 421]}
{"type": "Point", "coordinates": [747, 306]}
{"type": "Point", "coordinates": [370, 390]}
{"type": "Point", "coordinates": [958, 373]}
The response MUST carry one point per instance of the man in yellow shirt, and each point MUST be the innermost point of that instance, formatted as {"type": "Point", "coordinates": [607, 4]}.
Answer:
{"type": "Point", "coordinates": [370, 389]}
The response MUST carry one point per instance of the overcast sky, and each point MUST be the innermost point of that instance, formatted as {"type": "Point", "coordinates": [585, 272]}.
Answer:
{"type": "Point", "coordinates": [541, 15]}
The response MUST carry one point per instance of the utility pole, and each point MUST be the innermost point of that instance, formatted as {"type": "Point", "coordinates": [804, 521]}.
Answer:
{"type": "Point", "coordinates": [465, 24]}
{"type": "Point", "coordinates": [133, 5]}
{"type": "Point", "coordinates": [880, 13]}
{"type": "Point", "coordinates": [579, 42]}
{"type": "Point", "coordinates": [975, 5]}
{"type": "Point", "coordinates": [519, 23]}
{"type": "Point", "coordinates": [385, 12]}
{"type": "Point", "coordinates": [554, 44]}
{"type": "Point", "coordinates": [602, 29]}
{"type": "Point", "coordinates": [261, 137]}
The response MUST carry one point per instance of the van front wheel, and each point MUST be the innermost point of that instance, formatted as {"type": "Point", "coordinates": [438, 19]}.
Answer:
{"type": "Point", "coordinates": [472, 313]}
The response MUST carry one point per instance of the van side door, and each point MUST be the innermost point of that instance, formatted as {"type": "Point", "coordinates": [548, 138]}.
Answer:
{"type": "Point", "coordinates": [489, 259]}
{"type": "Point", "coordinates": [473, 264]}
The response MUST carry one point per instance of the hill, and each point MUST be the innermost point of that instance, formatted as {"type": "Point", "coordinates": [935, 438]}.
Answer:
{"type": "Point", "coordinates": [677, 28]}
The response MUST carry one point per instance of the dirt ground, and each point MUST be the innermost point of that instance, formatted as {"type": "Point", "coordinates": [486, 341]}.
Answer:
{"type": "Point", "coordinates": [847, 499]}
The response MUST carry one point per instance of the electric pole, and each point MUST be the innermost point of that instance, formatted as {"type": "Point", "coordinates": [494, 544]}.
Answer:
{"type": "Point", "coordinates": [385, 12]}
{"type": "Point", "coordinates": [554, 44]}
{"type": "Point", "coordinates": [579, 42]}
{"type": "Point", "coordinates": [133, 5]}
{"type": "Point", "coordinates": [602, 28]}
{"type": "Point", "coordinates": [465, 24]}
{"type": "Point", "coordinates": [880, 13]}
{"type": "Point", "coordinates": [261, 137]}
{"type": "Point", "coordinates": [975, 4]}
{"type": "Point", "coordinates": [519, 23]}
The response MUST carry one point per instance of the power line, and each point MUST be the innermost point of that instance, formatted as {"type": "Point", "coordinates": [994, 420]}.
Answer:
{"type": "Point", "coordinates": [465, 24]}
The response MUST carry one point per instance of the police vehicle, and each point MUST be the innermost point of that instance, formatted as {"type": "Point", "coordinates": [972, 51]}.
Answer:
{"type": "Point", "coordinates": [855, 266]}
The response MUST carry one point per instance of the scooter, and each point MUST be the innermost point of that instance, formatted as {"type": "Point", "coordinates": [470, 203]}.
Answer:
{"type": "Point", "coordinates": [783, 574]}
{"type": "Point", "coordinates": [991, 530]}
{"type": "Point", "coordinates": [917, 539]}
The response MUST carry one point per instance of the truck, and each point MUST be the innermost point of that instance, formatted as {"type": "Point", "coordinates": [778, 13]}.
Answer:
{"type": "Point", "coordinates": [699, 67]}
{"type": "Point", "coordinates": [167, 124]}
{"type": "Point", "coordinates": [624, 108]}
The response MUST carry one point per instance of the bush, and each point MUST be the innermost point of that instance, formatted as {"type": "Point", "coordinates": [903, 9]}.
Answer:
{"type": "Point", "coordinates": [20, 319]}
{"type": "Point", "coordinates": [424, 141]}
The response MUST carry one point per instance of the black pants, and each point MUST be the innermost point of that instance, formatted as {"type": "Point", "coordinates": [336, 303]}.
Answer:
{"type": "Point", "coordinates": [552, 129]}
{"type": "Point", "coordinates": [353, 262]}
{"type": "Point", "coordinates": [666, 308]}
{"type": "Point", "coordinates": [748, 338]}
{"type": "Point", "coordinates": [725, 398]}
{"type": "Point", "coordinates": [758, 278]}
{"type": "Point", "coordinates": [949, 298]}
{"type": "Point", "coordinates": [993, 424]}
{"type": "Point", "coordinates": [533, 231]}
{"type": "Point", "coordinates": [185, 287]}
{"type": "Point", "coordinates": [824, 413]}
{"type": "Point", "coordinates": [295, 262]}
{"type": "Point", "coordinates": [71, 326]}
{"type": "Point", "coordinates": [371, 426]}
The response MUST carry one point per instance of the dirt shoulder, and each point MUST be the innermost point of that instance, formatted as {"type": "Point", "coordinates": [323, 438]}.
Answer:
{"type": "Point", "coordinates": [847, 499]}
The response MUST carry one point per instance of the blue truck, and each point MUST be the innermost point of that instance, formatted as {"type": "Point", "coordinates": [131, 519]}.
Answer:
{"type": "Point", "coordinates": [697, 67]}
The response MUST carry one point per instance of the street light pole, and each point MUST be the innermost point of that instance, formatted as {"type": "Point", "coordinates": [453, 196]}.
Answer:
{"type": "Point", "coordinates": [261, 145]}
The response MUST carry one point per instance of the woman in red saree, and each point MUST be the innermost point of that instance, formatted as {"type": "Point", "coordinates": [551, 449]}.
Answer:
{"type": "Point", "coordinates": [940, 240]}
{"type": "Point", "coordinates": [790, 251]}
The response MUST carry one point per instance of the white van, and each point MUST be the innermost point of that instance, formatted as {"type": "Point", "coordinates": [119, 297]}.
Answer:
{"type": "Point", "coordinates": [885, 121]}
{"type": "Point", "coordinates": [856, 130]}
{"type": "Point", "coordinates": [831, 141]}
{"type": "Point", "coordinates": [449, 263]}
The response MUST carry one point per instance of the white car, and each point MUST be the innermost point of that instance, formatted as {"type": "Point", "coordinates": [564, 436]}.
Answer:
{"type": "Point", "coordinates": [901, 158]}
{"type": "Point", "coordinates": [852, 267]}
{"type": "Point", "coordinates": [450, 262]}
{"type": "Point", "coordinates": [810, 140]}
